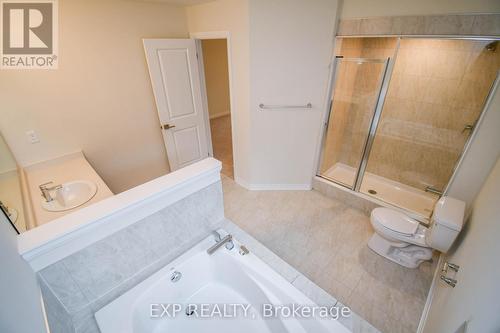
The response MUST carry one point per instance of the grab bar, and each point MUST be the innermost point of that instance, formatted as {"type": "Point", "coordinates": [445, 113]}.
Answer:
{"type": "Point", "coordinates": [307, 106]}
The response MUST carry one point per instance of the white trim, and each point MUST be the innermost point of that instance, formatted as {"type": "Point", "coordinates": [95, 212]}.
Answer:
{"type": "Point", "coordinates": [204, 96]}
{"type": "Point", "coordinates": [53, 241]}
{"type": "Point", "coordinates": [220, 114]}
{"type": "Point", "coordinates": [272, 187]}
{"type": "Point", "coordinates": [225, 35]}
{"type": "Point", "coordinates": [430, 296]}
{"type": "Point", "coordinates": [242, 182]}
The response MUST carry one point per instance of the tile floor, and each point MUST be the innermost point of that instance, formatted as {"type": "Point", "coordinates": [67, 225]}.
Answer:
{"type": "Point", "coordinates": [222, 143]}
{"type": "Point", "coordinates": [326, 240]}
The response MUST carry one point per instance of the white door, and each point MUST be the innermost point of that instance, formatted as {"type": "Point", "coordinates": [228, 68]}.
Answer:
{"type": "Point", "coordinates": [175, 77]}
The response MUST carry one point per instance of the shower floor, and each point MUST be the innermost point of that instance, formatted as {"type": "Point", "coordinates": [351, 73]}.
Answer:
{"type": "Point", "coordinates": [387, 190]}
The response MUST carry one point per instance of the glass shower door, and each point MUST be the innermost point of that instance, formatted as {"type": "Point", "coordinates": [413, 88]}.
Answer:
{"type": "Point", "coordinates": [356, 90]}
{"type": "Point", "coordinates": [436, 94]}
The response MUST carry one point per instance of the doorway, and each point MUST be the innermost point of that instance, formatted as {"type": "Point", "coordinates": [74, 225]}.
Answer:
{"type": "Point", "coordinates": [216, 68]}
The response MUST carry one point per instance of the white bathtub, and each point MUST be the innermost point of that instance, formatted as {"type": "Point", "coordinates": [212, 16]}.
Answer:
{"type": "Point", "coordinates": [224, 278]}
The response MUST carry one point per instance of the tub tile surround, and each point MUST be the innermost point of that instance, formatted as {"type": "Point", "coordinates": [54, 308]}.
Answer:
{"type": "Point", "coordinates": [77, 286]}
{"type": "Point", "coordinates": [92, 277]}
{"type": "Point", "coordinates": [466, 25]}
{"type": "Point", "coordinates": [325, 239]}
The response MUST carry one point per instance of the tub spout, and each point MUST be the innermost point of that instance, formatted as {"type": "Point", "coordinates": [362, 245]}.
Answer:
{"type": "Point", "coordinates": [227, 240]}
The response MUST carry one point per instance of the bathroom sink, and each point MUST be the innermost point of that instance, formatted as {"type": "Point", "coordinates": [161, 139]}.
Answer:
{"type": "Point", "coordinates": [70, 195]}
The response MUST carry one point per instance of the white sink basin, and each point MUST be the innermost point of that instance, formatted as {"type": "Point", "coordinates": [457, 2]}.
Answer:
{"type": "Point", "coordinates": [71, 195]}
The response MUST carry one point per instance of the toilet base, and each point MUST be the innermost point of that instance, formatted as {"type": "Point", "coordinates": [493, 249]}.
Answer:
{"type": "Point", "coordinates": [410, 256]}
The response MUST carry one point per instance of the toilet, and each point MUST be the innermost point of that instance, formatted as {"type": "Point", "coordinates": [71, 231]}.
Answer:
{"type": "Point", "coordinates": [405, 241]}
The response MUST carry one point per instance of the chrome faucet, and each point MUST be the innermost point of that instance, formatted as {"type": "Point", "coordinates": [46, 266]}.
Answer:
{"type": "Point", "coordinates": [227, 241]}
{"type": "Point", "coordinates": [46, 190]}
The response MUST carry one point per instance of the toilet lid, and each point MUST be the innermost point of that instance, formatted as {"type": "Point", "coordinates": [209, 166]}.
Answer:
{"type": "Point", "coordinates": [394, 220]}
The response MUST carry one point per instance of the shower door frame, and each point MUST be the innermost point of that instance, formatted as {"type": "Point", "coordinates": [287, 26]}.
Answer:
{"type": "Point", "coordinates": [372, 129]}
{"type": "Point", "coordinates": [378, 112]}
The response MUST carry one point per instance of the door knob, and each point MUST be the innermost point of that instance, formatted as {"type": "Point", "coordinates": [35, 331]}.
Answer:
{"type": "Point", "coordinates": [167, 126]}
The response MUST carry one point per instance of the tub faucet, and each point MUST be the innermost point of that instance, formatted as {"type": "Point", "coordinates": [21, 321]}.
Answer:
{"type": "Point", "coordinates": [46, 190]}
{"type": "Point", "coordinates": [226, 240]}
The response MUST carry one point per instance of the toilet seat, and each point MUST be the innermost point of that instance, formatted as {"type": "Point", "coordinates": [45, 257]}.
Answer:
{"type": "Point", "coordinates": [399, 238]}
{"type": "Point", "coordinates": [394, 221]}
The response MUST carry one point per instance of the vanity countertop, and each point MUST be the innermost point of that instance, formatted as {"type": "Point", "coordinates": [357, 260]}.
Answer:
{"type": "Point", "coordinates": [61, 170]}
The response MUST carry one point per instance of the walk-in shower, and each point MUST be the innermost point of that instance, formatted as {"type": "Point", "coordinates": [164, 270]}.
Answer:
{"type": "Point", "coordinates": [402, 110]}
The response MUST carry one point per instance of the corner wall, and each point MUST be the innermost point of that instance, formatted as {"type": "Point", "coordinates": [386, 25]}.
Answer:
{"type": "Point", "coordinates": [291, 49]}
{"type": "Point", "coordinates": [80, 284]}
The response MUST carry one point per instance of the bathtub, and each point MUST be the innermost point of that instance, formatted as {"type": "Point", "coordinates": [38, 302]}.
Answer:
{"type": "Point", "coordinates": [241, 292]}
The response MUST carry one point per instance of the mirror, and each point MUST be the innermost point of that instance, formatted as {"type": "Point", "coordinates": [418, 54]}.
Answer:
{"type": "Point", "coordinates": [11, 198]}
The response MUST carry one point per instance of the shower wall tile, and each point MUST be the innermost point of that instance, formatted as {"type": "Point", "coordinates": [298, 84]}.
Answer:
{"type": "Point", "coordinates": [83, 282]}
{"type": "Point", "coordinates": [437, 87]}
{"type": "Point", "coordinates": [408, 25]}
{"type": "Point", "coordinates": [376, 26]}
{"type": "Point", "coordinates": [349, 27]}
{"type": "Point", "coordinates": [467, 25]}
{"type": "Point", "coordinates": [486, 25]}
{"type": "Point", "coordinates": [448, 25]}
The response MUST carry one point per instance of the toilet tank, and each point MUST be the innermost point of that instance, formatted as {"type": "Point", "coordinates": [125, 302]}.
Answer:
{"type": "Point", "coordinates": [447, 221]}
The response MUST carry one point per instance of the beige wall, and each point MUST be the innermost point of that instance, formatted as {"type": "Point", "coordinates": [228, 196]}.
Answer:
{"type": "Point", "coordinates": [7, 161]}
{"type": "Point", "coordinates": [291, 46]}
{"type": "Point", "coordinates": [275, 148]}
{"type": "Point", "coordinates": [475, 298]}
{"type": "Point", "coordinates": [364, 8]}
{"type": "Point", "coordinates": [100, 99]}
{"type": "Point", "coordinates": [231, 16]}
{"type": "Point", "coordinates": [216, 76]}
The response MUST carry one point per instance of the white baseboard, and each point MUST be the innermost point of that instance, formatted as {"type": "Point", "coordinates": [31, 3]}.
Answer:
{"type": "Point", "coordinates": [220, 114]}
{"type": "Point", "coordinates": [279, 187]}
{"type": "Point", "coordinates": [242, 182]}
{"type": "Point", "coordinates": [272, 187]}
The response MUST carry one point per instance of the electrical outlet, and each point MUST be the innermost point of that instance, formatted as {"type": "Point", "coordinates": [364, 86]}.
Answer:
{"type": "Point", "coordinates": [32, 136]}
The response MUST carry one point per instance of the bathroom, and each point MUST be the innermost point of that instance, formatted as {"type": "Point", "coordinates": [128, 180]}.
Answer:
{"type": "Point", "coordinates": [345, 118]}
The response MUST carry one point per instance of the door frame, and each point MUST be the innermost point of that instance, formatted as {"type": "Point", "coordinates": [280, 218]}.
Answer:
{"type": "Point", "coordinates": [201, 35]}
